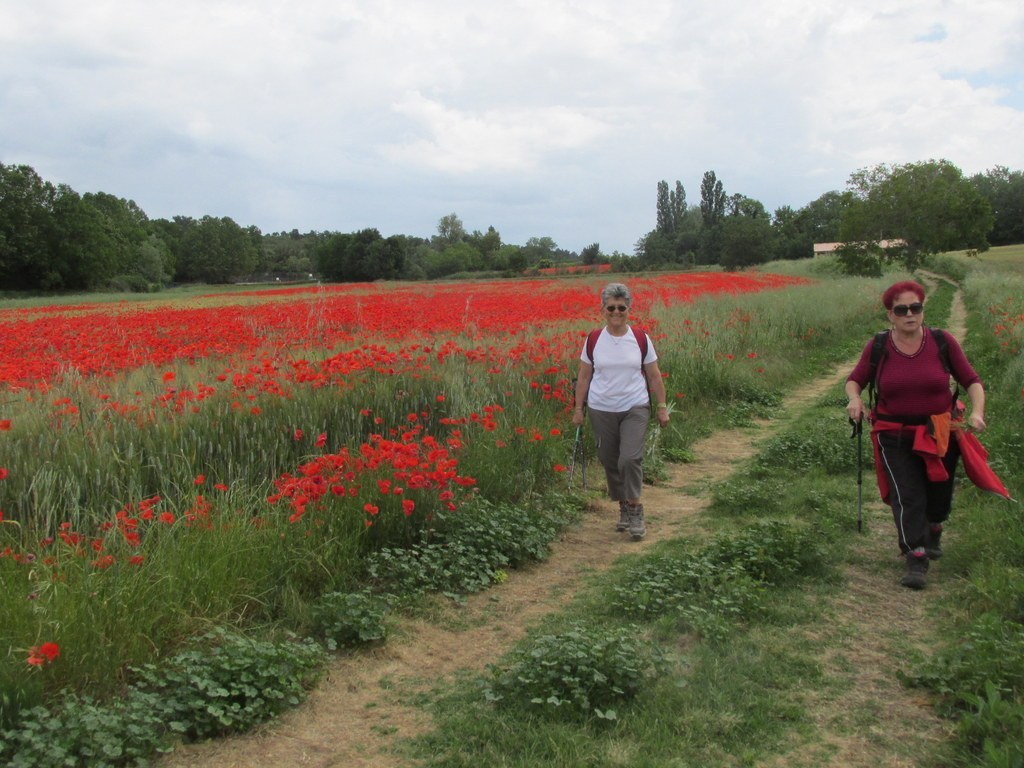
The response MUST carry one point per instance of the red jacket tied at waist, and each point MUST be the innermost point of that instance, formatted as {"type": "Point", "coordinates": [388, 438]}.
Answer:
{"type": "Point", "coordinates": [931, 441]}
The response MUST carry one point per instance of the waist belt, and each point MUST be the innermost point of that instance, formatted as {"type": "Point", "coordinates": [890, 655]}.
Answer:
{"type": "Point", "coordinates": [907, 421]}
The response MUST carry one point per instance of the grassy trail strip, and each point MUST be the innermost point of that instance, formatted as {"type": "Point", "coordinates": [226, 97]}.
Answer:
{"type": "Point", "coordinates": [367, 703]}
{"type": "Point", "coordinates": [872, 719]}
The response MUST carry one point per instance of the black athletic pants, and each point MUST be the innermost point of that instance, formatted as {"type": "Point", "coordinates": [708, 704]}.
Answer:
{"type": "Point", "coordinates": [916, 503]}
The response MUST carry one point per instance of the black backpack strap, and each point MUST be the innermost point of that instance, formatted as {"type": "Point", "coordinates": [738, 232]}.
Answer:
{"type": "Point", "coordinates": [943, 345]}
{"type": "Point", "coordinates": [879, 351]}
{"type": "Point", "coordinates": [940, 339]}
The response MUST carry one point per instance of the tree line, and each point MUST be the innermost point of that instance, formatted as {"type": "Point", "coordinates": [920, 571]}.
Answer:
{"type": "Point", "coordinates": [54, 239]}
{"type": "Point", "coordinates": [918, 209]}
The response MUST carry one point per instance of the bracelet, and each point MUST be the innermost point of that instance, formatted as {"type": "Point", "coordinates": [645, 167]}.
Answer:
{"type": "Point", "coordinates": [662, 405]}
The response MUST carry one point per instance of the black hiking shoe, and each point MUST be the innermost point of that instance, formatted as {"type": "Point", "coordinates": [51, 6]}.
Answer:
{"type": "Point", "coordinates": [917, 569]}
{"type": "Point", "coordinates": [933, 548]}
{"type": "Point", "coordinates": [637, 528]}
{"type": "Point", "coordinates": [623, 523]}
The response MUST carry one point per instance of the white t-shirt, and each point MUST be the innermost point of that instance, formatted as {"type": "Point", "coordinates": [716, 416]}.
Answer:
{"type": "Point", "coordinates": [618, 383]}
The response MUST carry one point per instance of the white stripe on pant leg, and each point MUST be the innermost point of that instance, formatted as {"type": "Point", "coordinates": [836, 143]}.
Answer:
{"type": "Point", "coordinates": [893, 487]}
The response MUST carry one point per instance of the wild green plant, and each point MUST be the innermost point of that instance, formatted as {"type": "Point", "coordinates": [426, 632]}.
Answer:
{"type": "Point", "coordinates": [822, 443]}
{"type": "Point", "coordinates": [581, 672]}
{"type": "Point", "coordinates": [222, 683]}
{"type": "Point", "coordinates": [469, 551]}
{"type": "Point", "coordinates": [993, 729]}
{"type": "Point", "coordinates": [343, 619]}
{"type": "Point", "coordinates": [989, 651]}
{"type": "Point", "coordinates": [82, 731]}
{"type": "Point", "coordinates": [229, 682]}
{"type": "Point", "coordinates": [721, 584]}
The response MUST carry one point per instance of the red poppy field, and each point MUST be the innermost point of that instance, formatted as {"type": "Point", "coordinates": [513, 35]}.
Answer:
{"type": "Point", "coordinates": [284, 432]}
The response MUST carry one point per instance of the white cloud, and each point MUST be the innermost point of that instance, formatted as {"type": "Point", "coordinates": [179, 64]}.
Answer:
{"type": "Point", "coordinates": [511, 140]}
{"type": "Point", "coordinates": [553, 117]}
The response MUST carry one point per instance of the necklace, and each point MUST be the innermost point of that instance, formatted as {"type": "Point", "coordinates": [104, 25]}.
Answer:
{"type": "Point", "coordinates": [617, 337]}
{"type": "Point", "coordinates": [909, 355]}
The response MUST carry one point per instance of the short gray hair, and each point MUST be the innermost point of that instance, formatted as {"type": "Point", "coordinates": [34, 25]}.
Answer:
{"type": "Point", "coordinates": [616, 291]}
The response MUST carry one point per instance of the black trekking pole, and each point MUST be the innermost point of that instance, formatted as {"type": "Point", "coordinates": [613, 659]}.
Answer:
{"type": "Point", "coordinates": [578, 455]}
{"type": "Point", "coordinates": [575, 453]}
{"type": "Point", "coordinates": [858, 431]}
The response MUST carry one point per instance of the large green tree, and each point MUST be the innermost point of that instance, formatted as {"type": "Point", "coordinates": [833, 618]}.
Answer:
{"type": "Point", "coordinates": [591, 254]}
{"type": "Point", "coordinates": [926, 208]}
{"type": "Point", "coordinates": [821, 219]}
{"type": "Point", "coordinates": [712, 211]}
{"type": "Point", "coordinates": [124, 224]}
{"type": "Point", "coordinates": [670, 208]}
{"type": "Point", "coordinates": [796, 232]}
{"type": "Point", "coordinates": [216, 250]}
{"type": "Point", "coordinates": [791, 240]}
{"type": "Point", "coordinates": [450, 230]}
{"type": "Point", "coordinates": [360, 257]}
{"type": "Point", "coordinates": [1004, 190]}
{"type": "Point", "coordinates": [26, 205]}
{"type": "Point", "coordinates": [674, 236]}
{"type": "Point", "coordinates": [84, 252]}
{"type": "Point", "coordinates": [540, 249]}
{"type": "Point", "coordinates": [745, 241]}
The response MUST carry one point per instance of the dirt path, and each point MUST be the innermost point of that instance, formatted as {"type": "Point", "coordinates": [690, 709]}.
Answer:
{"type": "Point", "coordinates": [361, 708]}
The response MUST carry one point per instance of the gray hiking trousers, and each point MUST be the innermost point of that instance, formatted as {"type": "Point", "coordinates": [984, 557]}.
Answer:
{"type": "Point", "coordinates": [620, 449]}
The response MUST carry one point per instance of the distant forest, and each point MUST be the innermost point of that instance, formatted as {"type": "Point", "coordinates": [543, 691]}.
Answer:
{"type": "Point", "coordinates": [53, 239]}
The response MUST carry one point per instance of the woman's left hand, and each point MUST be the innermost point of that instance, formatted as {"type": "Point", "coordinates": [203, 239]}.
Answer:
{"type": "Point", "coordinates": [976, 422]}
{"type": "Point", "coordinates": [662, 416]}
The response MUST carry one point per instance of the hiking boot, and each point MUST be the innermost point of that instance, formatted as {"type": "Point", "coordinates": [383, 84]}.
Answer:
{"type": "Point", "coordinates": [623, 523]}
{"type": "Point", "coordinates": [637, 529]}
{"type": "Point", "coordinates": [933, 549]}
{"type": "Point", "coordinates": [917, 568]}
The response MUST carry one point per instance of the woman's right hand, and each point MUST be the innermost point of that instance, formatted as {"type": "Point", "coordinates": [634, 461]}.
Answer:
{"type": "Point", "coordinates": [855, 408]}
{"type": "Point", "coordinates": [577, 417]}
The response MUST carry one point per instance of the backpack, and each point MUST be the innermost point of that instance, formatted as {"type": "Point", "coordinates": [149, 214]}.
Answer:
{"type": "Point", "coordinates": [638, 333]}
{"type": "Point", "coordinates": [880, 350]}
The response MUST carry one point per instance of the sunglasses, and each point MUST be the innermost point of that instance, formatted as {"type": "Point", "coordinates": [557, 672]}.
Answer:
{"type": "Point", "coordinates": [901, 310]}
{"type": "Point", "coordinates": [616, 308]}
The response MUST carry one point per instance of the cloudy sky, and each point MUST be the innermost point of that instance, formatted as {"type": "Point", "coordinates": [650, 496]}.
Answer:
{"type": "Point", "coordinates": [537, 117]}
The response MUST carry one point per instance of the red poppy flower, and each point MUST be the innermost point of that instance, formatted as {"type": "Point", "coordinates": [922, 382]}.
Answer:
{"type": "Point", "coordinates": [43, 654]}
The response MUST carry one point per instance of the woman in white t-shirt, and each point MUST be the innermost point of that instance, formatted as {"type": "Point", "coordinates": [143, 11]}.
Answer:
{"type": "Point", "coordinates": [618, 377]}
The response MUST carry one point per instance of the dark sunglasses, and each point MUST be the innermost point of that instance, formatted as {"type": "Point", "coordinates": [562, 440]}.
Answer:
{"type": "Point", "coordinates": [901, 310]}
{"type": "Point", "coordinates": [616, 308]}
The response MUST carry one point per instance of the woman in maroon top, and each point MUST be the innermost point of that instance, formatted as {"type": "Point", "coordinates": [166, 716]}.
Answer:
{"type": "Point", "coordinates": [914, 406]}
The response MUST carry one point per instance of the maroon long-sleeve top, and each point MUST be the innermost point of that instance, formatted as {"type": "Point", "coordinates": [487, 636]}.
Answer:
{"type": "Point", "coordinates": [915, 385]}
